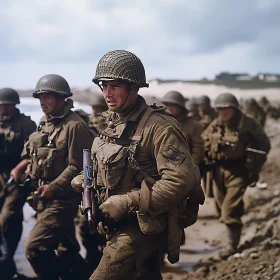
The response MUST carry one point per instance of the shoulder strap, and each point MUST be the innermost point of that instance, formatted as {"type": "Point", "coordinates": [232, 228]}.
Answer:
{"type": "Point", "coordinates": [53, 134]}
{"type": "Point", "coordinates": [138, 133]}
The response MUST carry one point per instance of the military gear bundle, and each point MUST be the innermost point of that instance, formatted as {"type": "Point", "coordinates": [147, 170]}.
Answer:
{"type": "Point", "coordinates": [48, 161]}
{"type": "Point", "coordinates": [226, 100]}
{"type": "Point", "coordinates": [174, 97]}
{"type": "Point", "coordinates": [121, 65]}
{"type": "Point", "coordinates": [9, 96]}
{"type": "Point", "coordinates": [52, 83]}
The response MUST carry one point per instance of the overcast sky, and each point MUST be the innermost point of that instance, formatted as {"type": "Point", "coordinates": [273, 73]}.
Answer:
{"type": "Point", "coordinates": [173, 38]}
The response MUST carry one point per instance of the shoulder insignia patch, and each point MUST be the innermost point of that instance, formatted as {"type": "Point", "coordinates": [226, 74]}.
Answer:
{"type": "Point", "coordinates": [173, 155]}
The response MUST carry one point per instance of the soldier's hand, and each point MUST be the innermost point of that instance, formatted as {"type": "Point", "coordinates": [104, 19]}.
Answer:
{"type": "Point", "coordinates": [44, 192]}
{"type": "Point", "coordinates": [115, 207]}
{"type": "Point", "coordinates": [16, 174]}
{"type": "Point", "coordinates": [19, 169]}
{"type": "Point", "coordinates": [77, 183]}
{"type": "Point", "coordinates": [28, 169]}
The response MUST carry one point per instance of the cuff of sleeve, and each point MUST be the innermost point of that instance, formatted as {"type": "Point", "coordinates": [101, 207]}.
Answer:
{"type": "Point", "coordinates": [54, 188]}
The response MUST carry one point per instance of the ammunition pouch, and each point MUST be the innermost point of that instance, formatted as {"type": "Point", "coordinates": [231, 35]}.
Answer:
{"type": "Point", "coordinates": [152, 225]}
{"type": "Point", "coordinates": [254, 161]}
{"type": "Point", "coordinates": [48, 162]}
{"type": "Point", "coordinates": [188, 208]}
{"type": "Point", "coordinates": [111, 165]}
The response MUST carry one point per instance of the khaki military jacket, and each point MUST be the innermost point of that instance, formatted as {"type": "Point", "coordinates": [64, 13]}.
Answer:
{"type": "Point", "coordinates": [14, 131]}
{"type": "Point", "coordinates": [226, 142]}
{"type": "Point", "coordinates": [162, 153]}
{"type": "Point", "coordinates": [56, 149]}
{"type": "Point", "coordinates": [192, 130]}
{"type": "Point", "coordinates": [207, 117]}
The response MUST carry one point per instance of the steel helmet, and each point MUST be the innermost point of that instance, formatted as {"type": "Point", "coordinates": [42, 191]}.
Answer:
{"type": "Point", "coordinates": [121, 65]}
{"type": "Point", "coordinates": [174, 97]}
{"type": "Point", "coordinates": [98, 100]}
{"type": "Point", "coordinates": [9, 96]}
{"type": "Point", "coordinates": [204, 99]}
{"type": "Point", "coordinates": [52, 83]}
{"type": "Point", "coordinates": [226, 100]}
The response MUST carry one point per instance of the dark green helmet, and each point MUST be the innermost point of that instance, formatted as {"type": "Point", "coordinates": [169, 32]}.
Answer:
{"type": "Point", "coordinates": [121, 65]}
{"type": "Point", "coordinates": [52, 83]}
{"type": "Point", "coordinates": [203, 100]}
{"type": "Point", "coordinates": [191, 104]}
{"type": "Point", "coordinates": [9, 96]}
{"type": "Point", "coordinates": [98, 100]}
{"type": "Point", "coordinates": [174, 97]}
{"type": "Point", "coordinates": [226, 100]}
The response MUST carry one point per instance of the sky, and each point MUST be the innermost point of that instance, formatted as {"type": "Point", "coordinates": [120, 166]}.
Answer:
{"type": "Point", "coordinates": [175, 39]}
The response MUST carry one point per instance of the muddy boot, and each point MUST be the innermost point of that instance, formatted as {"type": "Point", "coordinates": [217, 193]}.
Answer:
{"type": "Point", "coordinates": [233, 234]}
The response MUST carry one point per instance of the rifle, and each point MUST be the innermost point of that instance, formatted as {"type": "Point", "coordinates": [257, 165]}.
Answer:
{"type": "Point", "coordinates": [88, 204]}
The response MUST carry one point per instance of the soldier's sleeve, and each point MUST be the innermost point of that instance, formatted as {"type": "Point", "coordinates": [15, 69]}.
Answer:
{"type": "Point", "coordinates": [197, 143]}
{"type": "Point", "coordinates": [175, 167]}
{"type": "Point", "coordinates": [79, 138]}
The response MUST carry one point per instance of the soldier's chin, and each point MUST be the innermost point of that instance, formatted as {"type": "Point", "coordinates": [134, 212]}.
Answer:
{"type": "Point", "coordinates": [45, 111]}
{"type": "Point", "coordinates": [113, 108]}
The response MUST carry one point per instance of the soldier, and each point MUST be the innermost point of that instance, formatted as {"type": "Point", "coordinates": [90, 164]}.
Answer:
{"type": "Point", "coordinates": [98, 105]}
{"type": "Point", "coordinates": [53, 155]}
{"type": "Point", "coordinates": [237, 145]}
{"type": "Point", "coordinates": [192, 129]}
{"type": "Point", "coordinates": [142, 167]}
{"type": "Point", "coordinates": [254, 110]}
{"type": "Point", "coordinates": [270, 111]}
{"type": "Point", "coordinates": [206, 112]}
{"type": "Point", "coordinates": [192, 108]}
{"type": "Point", "coordinates": [15, 128]}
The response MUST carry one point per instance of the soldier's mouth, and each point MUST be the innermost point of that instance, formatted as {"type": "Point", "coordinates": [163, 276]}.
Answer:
{"type": "Point", "coordinates": [111, 103]}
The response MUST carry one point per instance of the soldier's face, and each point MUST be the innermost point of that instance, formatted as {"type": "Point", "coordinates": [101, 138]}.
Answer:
{"type": "Point", "coordinates": [7, 109]}
{"type": "Point", "coordinates": [226, 114]}
{"type": "Point", "coordinates": [115, 93]}
{"type": "Point", "coordinates": [50, 103]}
{"type": "Point", "coordinates": [173, 109]}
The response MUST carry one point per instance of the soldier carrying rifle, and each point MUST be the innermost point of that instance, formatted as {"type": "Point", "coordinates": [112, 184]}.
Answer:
{"type": "Point", "coordinates": [53, 155]}
{"type": "Point", "coordinates": [236, 146]}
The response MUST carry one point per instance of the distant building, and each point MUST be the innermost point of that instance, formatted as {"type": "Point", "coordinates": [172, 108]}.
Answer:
{"type": "Point", "coordinates": [226, 76]}
{"type": "Point", "coordinates": [269, 77]}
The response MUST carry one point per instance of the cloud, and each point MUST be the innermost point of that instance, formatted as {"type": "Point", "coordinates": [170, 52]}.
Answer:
{"type": "Point", "coordinates": [174, 39]}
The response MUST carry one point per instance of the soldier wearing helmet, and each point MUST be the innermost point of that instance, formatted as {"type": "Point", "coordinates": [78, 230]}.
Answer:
{"type": "Point", "coordinates": [206, 112]}
{"type": "Point", "coordinates": [142, 167]}
{"type": "Point", "coordinates": [98, 105]}
{"type": "Point", "coordinates": [52, 156]}
{"type": "Point", "coordinates": [192, 129]}
{"type": "Point", "coordinates": [254, 110]}
{"type": "Point", "coordinates": [237, 146]}
{"type": "Point", "coordinates": [192, 108]}
{"type": "Point", "coordinates": [15, 129]}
